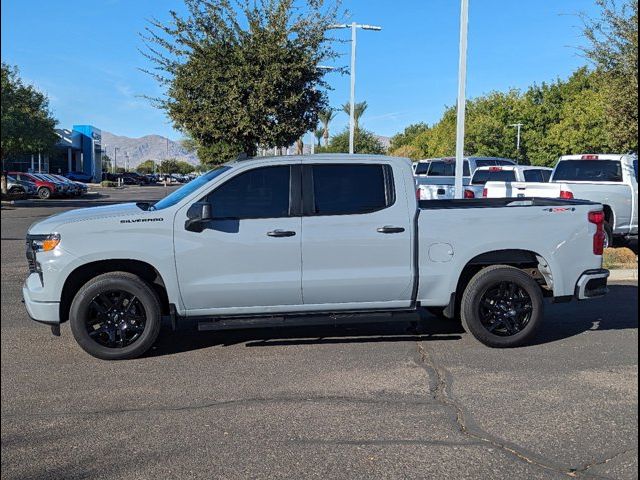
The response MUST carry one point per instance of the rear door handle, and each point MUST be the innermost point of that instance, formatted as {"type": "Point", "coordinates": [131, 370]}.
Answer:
{"type": "Point", "coordinates": [281, 233]}
{"type": "Point", "coordinates": [388, 229]}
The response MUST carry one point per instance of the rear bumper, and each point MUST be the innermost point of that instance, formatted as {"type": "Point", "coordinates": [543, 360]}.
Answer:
{"type": "Point", "coordinates": [592, 284]}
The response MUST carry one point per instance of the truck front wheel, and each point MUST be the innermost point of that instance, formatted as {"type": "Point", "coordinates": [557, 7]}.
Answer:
{"type": "Point", "coordinates": [115, 316]}
{"type": "Point", "coordinates": [502, 306]}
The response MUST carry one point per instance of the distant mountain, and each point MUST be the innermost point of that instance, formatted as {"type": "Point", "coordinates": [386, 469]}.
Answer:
{"type": "Point", "coordinates": [158, 148]}
{"type": "Point", "coordinates": [149, 147]}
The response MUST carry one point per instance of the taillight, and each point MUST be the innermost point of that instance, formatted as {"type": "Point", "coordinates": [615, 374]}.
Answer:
{"type": "Point", "coordinates": [567, 195]}
{"type": "Point", "coordinates": [485, 193]}
{"type": "Point", "coordinates": [418, 194]}
{"type": "Point", "coordinates": [495, 169]}
{"type": "Point", "coordinates": [469, 194]}
{"type": "Point", "coordinates": [600, 236]}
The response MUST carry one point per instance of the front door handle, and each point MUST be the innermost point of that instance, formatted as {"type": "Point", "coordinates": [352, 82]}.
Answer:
{"type": "Point", "coordinates": [388, 229]}
{"type": "Point", "coordinates": [281, 233]}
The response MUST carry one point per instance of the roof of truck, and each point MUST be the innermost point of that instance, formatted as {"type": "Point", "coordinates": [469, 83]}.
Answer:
{"type": "Point", "coordinates": [320, 157]}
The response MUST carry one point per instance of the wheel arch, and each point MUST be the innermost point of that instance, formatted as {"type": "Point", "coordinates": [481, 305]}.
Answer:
{"type": "Point", "coordinates": [82, 274]}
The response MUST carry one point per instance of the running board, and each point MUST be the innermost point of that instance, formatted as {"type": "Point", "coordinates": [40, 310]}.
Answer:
{"type": "Point", "coordinates": [236, 323]}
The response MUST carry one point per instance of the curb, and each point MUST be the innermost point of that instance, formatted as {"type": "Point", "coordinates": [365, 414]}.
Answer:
{"type": "Point", "coordinates": [624, 274]}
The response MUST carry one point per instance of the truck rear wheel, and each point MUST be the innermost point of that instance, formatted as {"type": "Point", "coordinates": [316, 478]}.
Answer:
{"type": "Point", "coordinates": [502, 306]}
{"type": "Point", "coordinates": [115, 316]}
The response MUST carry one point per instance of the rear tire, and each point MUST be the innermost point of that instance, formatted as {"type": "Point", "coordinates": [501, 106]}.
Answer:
{"type": "Point", "coordinates": [44, 193]}
{"type": "Point", "coordinates": [502, 307]}
{"type": "Point", "coordinates": [115, 316]}
{"type": "Point", "coordinates": [608, 230]}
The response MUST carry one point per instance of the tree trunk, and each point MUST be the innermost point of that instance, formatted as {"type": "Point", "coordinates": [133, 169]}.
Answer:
{"type": "Point", "coordinates": [326, 137]}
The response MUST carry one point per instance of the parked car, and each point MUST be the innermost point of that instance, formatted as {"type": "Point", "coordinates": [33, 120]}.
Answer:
{"type": "Point", "coordinates": [611, 180]}
{"type": "Point", "coordinates": [45, 188]}
{"type": "Point", "coordinates": [79, 177]}
{"type": "Point", "coordinates": [17, 187]}
{"type": "Point", "coordinates": [75, 188]}
{"type": "Point", "coordinates": [505, 173]}
{"type": "Point", "coordinates": [283, 237]}
{"type": "Point", "coordinates": [439, 181]}
{"type": "Point", "coordinates": [65, 188]}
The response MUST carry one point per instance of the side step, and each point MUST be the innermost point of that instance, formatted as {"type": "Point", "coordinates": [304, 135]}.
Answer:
{"type": "Point", "coordinates": [236, 323]}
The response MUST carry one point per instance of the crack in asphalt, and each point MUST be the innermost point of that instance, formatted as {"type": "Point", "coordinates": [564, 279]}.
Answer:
{"type": "Point", "coordinates": [604, 461]}
{"type": "Point", "coordinates": [440, 386]}
{"type": "Point", "coordinates": [395, 400]}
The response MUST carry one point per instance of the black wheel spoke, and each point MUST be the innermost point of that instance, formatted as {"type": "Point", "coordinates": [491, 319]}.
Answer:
{"type": "Point", "coordinates": [115, 319]}
{"type": "Point", "coordinates": [505, 308]}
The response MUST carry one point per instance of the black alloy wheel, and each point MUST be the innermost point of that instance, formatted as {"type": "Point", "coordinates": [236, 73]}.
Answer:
{"type": "Point", "coordinates": [505, 309]}
{"type": "Point", "coordinates": [115, 319]}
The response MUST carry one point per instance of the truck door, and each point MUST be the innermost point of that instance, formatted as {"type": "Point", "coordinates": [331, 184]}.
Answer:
{"type": "Point", "coordinates": [356, 237]}
{"type": "Point", "coordinates": [247, 259]}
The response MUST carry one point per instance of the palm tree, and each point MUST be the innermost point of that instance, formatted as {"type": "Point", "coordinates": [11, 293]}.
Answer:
{"type": "Point", "coordinates": [358, 110]}
{"type": "Point", "coordinates": [325, 117]}
{"type": "Point", "coordinates": [318, 133]}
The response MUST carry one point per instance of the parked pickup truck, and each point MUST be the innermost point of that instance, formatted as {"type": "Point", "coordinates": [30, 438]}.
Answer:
{"type": "Point", "coordinates": [611, 180]}
{"type": "Point", "coordinates": [438, 182]}
{"type": "Point", "coordinates": [269, 241]}
{"type": "Point", "coordinates": [506, 173]}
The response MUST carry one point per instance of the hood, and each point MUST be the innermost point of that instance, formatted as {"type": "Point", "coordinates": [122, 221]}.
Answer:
{"type": "Point", "coordinates": [52, 223]}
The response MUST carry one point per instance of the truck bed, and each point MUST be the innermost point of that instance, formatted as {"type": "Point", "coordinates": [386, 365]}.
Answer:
{"type": "Point", "coordinates": [499, 202]}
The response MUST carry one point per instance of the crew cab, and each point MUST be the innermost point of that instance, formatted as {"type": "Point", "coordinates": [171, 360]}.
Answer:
{"type": "Point", "coordinates": [506, 173]}
{"type": "Point", "coordinates": [611, 180]}
{"type": "Point", "coordinates": [438, 183]}
{"type": "Point", "coordinates": [287, 240]}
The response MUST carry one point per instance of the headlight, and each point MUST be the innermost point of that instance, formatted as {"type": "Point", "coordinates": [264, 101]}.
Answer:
{"type": "Point", "coordinates": [44, 243]}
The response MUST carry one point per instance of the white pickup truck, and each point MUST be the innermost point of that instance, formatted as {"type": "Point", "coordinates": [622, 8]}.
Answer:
{"type": "Point", "coordinates": [435, 177]}
{"type": "Point", "coordinates": [270, 241]}
{"type": "Point", "coordinates": [508, 173]}
{"type": "Point", "coordinates": [611, 180]}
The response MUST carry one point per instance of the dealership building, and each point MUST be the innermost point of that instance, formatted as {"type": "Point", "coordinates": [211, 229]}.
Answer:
{"type": "Point", "coordinates": [77, 150]}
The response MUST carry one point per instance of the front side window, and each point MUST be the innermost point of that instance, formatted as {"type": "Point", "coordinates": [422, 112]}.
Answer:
{"type": "Point", "coordinates": [259, 193]}
{"type": "Point", "coordinates": [351, 189]}
{"type": "Point", "coordinates": [546, 175]}
{"type": "Point", "coordinates": [588, 171]}
{"type": "Point", "coordinates": [187, 189]}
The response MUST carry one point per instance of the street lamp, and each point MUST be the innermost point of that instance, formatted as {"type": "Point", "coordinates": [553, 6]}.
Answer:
{"type": "Point", "coordinates": [518, 126]}
{"type": "Point", "coordinates": [352, 102]}
{"type": "Point", "coordinates": [115, 159]}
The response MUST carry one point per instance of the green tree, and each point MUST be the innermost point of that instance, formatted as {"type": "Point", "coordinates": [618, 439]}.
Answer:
{"type": "Point", "coordinates": [169, 165]}
{"type": "Point", "coordinates": [184, 167]}
{"type": "Point", "coordinates": [318, 133]}
{"type": "Point", "coordinates": [326, 116]}
{"type": "Point", "coordinates": [242, 74]}
{"type": "Point", "coordinates": [27, 125]}
{"type": "Point", "coordinates": [364, 142]}
{"type": "Point", "coordinates": [613, 48]}
{"type": "Point", "coordinates": [106, 163]}
{"type": "Point", "coordinates": [148, 166]}
{"type": "Point", "coordinates": [358, 110]}
{"type": "Point", "coordinates": [407, 136]}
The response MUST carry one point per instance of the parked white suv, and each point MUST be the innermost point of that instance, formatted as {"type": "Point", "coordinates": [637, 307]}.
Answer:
{"type": "Point", "coordinates": [505, 173]}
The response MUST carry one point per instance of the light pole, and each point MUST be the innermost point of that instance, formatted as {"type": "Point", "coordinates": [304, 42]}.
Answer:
{"type": "Point", "coordinates": [352, 101]}
{"type": "Point", "coordinates": [518, 126]}
{"type": "Point", "coordinates": [462, 83]}
{"type": "Point", "coordinates": [115, 159]}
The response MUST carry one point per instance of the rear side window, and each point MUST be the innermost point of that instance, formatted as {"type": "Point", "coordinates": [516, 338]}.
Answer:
{"type": "Point", "coordinates": [483, 176]}
{"type": "Point", "coordinates": [533, 176]}
{"type": "Point", "coordinates": [447, 169]}
{"type": "Point", "coordinates": [259, 193]}
{"type": "Point", "coordinates": [588, 171]}
{"type": "Point", "coordinates": [351, 189]}
{"type": "Point", "coordinates": [422, 168]}
{"type": "Point", "coordinates": [546, 175]}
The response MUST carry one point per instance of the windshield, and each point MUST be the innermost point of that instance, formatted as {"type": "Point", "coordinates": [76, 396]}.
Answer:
{"type": "Point", "coordinates": [189, 188]}
{"type": "Point", "coordinates": [483, 176]}
{"type": "Point", "coordinates": [588, 171]}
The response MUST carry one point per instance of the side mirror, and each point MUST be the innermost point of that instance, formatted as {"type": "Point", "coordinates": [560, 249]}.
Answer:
{"type": "Point", "coordinates": [197, 215]}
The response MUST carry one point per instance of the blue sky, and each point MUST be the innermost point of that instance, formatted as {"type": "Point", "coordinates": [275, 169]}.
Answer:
{"type": "Point", "coordinates": [84, 55]}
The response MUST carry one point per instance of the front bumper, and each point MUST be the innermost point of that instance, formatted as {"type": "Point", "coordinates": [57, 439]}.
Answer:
{"type": "Point", "coordinates": [44, 312]}
{"type": "Point", "coordinates": [592, 284]}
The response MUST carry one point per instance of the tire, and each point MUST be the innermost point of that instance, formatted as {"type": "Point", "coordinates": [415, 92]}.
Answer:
{"type": "Point", "coordinates": [44, 193]}
{"type": "Point", "coordinates": [139, 318]}
{"type": "Point", "coordinates": [608, 230]}
{"type": "Point", "coordinates": [498, 318]}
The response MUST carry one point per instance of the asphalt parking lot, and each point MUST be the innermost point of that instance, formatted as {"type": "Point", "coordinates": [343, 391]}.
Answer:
{"type": "Point", "coordinates": [379, 401]}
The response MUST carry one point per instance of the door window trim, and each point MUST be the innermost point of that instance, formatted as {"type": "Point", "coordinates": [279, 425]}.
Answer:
{"type": "Point", "coordinates": [308, 193]}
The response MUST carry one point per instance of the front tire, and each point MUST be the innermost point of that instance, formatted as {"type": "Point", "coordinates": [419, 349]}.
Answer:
{"type": "Point", "coordinates": [115, 316]}
{"type": "Point", "coordinates": [502, 307]}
